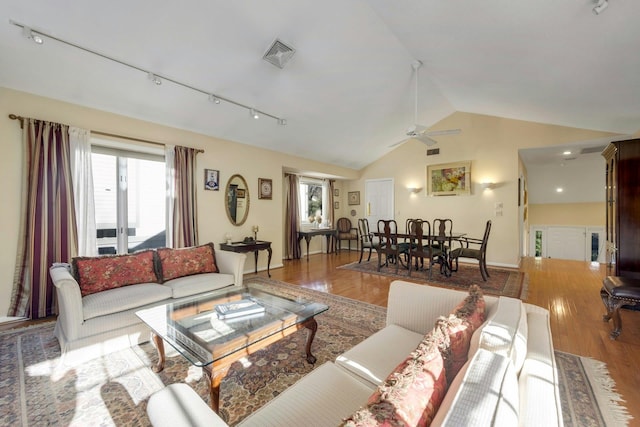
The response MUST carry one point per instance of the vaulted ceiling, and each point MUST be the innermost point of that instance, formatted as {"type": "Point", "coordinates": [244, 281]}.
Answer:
{"type": "Point", "coordinates": [348, 92]}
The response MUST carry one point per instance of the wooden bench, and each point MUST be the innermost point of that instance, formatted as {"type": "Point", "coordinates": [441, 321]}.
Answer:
{"type": "Point", "coordinates": [616, 293]}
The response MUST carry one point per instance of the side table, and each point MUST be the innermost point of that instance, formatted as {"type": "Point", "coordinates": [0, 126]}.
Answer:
{"type": "Point", "coordinates": [254, 246]}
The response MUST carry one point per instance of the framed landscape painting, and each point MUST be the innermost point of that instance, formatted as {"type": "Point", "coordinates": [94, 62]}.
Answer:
{"type": "Point", "coordinates": [449, 179]}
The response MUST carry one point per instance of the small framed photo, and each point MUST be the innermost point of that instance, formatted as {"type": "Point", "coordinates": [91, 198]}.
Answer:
{"type": "Point", "coordinates": [265, 188]}
{"type": "Point", "coordinates": [336, 205]}
{"type": "Point", "coordinates": [240, 193]}
{"type": "Point", "coordinates": [211, 179]}
{"type": "Point", "coordinates": [354, 197]}
{"type": "Point", "coordinates": [336, 192]}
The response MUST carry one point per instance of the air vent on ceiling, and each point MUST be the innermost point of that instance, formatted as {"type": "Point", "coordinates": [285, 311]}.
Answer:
{"type": "Point", "coordinates": [279, 54]}
{"type": "Point", "coordinates": [589, 150]}
{"type": "Point", "coordinates": [433, 151]}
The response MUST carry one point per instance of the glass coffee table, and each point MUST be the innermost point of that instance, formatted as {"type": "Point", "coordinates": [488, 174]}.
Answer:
{"type": "Point", "coordinates": [198, 331]}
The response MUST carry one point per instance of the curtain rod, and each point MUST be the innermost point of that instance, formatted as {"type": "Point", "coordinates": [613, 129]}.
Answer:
{"type": "Point", "coordinates": [113, 135]}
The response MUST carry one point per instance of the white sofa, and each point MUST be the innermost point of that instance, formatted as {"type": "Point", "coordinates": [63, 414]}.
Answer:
{"type": "Point", "coordinates": [105, 322]}
{"type": "Point", "coordinates": [509, 380]}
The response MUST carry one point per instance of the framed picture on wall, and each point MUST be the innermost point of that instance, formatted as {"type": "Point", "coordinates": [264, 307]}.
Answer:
{"type": "Point", "coordinates": [336, 205]}
{"type": "Point", "coordinates": [449, 179]}
{"type": "Point", "coordinates": [336, 192]}
{"type": "Point", "coordinates": [354, 197]}
{"type": "Point", "coordinates": [265, 188]}
{"type": "Point", "coordinates": [211, 179]}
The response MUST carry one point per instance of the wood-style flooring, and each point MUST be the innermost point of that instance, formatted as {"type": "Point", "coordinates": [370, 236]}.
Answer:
{"type": "Point", "coordinates": [568, 289]}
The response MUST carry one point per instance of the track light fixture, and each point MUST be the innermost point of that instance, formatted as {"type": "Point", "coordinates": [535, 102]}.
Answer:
{"type": "Point", "coordinates": [600, 7]}
{"type": "Point", "coordinates": [28, 33]}
{"type": "Point", "coordinates": [154, 78]}
{"type": "Point", "coordinates": [38, 37]}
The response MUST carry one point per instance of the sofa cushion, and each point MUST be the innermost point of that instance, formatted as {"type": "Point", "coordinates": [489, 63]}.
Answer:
{"type": "Point", "coordinates": [506, 333]}
{"type": "Point", "coordinates": [484, 393]}
{"type": "Point", "coordinates": [367, 361]}
{"type": "Point", "coordinates": [121, 299]}
{"type": "Point", "coordinates": [455, 348]}
{"type": "Point", "coordinates": [182, 262]}
{"type": "Point", "coordinates": [198, 283]}
{"type": "Point", "coordinates": [412, 393]}
{"type": "Point", "coordinates": [97, 274]}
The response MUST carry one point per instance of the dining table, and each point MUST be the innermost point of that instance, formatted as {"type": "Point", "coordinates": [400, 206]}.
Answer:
{"type": "Point", "coordinates": [443, 258]}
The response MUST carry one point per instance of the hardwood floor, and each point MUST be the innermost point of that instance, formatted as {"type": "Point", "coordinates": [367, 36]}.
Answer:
{"type": "Point", "coordinates": [568, 289]}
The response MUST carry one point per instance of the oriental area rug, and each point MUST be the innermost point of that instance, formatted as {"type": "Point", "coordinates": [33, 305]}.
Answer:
{"type": "Point", "coordinates": [38, 389]}
{"type": "Point", "coordinates": [502, 282]}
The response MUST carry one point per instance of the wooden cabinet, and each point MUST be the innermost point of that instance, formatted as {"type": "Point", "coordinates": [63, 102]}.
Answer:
{"type": "Point", "coordinates": [623, 207]}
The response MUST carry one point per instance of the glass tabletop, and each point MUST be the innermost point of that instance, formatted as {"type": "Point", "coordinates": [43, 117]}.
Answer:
{"type": "Point", "coordinates": [195, 327]}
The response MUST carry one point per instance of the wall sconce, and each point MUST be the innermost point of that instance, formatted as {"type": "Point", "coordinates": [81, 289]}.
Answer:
{"type": "Point", "coordinates": [487, 185]}
{"type": "Point", "coordinates": [414, 190]}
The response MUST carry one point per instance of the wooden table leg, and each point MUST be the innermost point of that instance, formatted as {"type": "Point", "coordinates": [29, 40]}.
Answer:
{"type": "Point", "coordinates": [312, 326]}
{"type": "Point", "coordinates": [215, 378]}
{"type": "Point", "coordinates": [159, 343]}
{"type": "Point", "coordinates": [269, 261]}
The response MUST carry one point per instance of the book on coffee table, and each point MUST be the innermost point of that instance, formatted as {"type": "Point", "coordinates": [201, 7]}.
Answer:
{"type": "Point", "coordinates": [243, 307]}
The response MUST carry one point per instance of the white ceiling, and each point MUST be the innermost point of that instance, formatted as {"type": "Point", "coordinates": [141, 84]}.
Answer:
{"type": "Point", "coordinates": [347, 94]}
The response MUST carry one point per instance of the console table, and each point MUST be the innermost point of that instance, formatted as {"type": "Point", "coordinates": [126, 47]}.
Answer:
{"type": "Point", "coordinates": [330, 233]}
{"type": "Point", "coordinates": [254, 246]}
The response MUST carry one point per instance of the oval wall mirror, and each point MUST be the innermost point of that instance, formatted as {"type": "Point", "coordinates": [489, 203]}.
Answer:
{"type": "Point", "coordinates": [237, 199]}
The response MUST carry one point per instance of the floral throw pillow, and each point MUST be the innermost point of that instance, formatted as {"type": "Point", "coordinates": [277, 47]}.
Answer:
{"type": "Point", "coordinates": [472, 308]}
{"type": "Point", "coordinates": [176, 263]}
{"type": "Point", "coordinates": [411, 394]}
{"type": "Point", "coordinates": [97, 274]}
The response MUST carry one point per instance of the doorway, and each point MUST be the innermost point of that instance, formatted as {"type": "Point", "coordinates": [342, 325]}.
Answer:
{"type": "Point", "coordinates": [571, 243]}
{"type": "Point", "coordinates": [379, 201]}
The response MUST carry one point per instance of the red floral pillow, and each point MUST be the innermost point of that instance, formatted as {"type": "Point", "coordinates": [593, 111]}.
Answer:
{"type": "Point", "coordinates": [472, 308]}
{"type": "Point", "coordinates": [411, 394]}
{"type": "Point", "coordinates": [97, 274]}
{"type": "Point", "coordinates": [186, 261]}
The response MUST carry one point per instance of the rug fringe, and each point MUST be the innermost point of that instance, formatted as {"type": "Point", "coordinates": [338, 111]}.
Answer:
{"type": "Point", "coordinates": [604, 390]}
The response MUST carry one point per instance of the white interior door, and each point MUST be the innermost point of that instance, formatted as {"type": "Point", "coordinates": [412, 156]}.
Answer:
{"type": "Point", "coordinates": [566, 243]}
{"type": "Point", "coordinates": [379, 201]}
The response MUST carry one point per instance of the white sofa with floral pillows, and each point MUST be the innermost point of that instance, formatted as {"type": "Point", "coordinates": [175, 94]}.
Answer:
{"type": "Point", "coordinates": [444, 358]}
{"type": "Point", "coordinates": [98, 296]}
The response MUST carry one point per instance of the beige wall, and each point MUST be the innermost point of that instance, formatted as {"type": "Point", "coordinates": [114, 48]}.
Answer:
{"type": "Point", "coordinates": [492, 144]}
{"type": "Point", "coordinates": [227, 157]}
{"type": "Point", "coordinates": [581, 214]}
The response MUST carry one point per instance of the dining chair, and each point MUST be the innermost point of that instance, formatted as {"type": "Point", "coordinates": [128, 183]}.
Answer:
{"type": "Point", "coordinates": [367, 239]}
{"type": "Point", "coordinates": [420, 247]}
{"type": "Point", "coordinates": [441, 242]}
{"type": "Point", "coordinates": [406, 243]}
{"type": "Point", "coordinates": [346, 232]}
{"type": "Point", "coordinates": [479, 253]}
{"type": "Point", "coordinates": [387, 231]}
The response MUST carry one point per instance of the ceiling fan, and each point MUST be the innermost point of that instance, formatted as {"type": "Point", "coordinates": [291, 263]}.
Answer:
{"type": "Point", "coordinates": [420, 132]}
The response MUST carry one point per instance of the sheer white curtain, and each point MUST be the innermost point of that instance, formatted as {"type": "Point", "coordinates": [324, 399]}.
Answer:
{"type": "Point", "coordinates": [169, 158]}
{"type": "Point", "coordinates": [82, 177]}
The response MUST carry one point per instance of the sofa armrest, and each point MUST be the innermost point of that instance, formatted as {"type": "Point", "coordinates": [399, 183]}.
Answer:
{"type": "Point", "coordinates": [70, 314]}
{"type": "Point", "coordinates": [231, 263]}
{"type": "Point", "coordinates": [416, 307]}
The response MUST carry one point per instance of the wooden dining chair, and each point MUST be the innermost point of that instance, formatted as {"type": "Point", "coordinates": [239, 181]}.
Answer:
{"type": "Point", "coordinates": [442, 238]}
{"type": "Point", "coordinates": [367, 239]}
{"type": "Point", "coordinates": [479, 252]}
{"type": "Point", "coordinates": [420, 248]}
{"type": "Point", "coordinates": [346, 232]}
{"type": "Point", "coordinates": [388, 246]}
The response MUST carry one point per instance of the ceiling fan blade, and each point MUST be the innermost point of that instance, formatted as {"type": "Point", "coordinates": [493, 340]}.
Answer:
{"type": "Point", "coordinates": [398, 143]}
{"type": "Point", "coordinates": [443, 132]}
{"type": "Point", "coordinates": [426, 140]}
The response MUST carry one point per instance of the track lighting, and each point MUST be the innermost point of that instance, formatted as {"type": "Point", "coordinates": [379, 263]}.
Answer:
{"type": "Point", "coordinates": [28, 33]}
{"type": "Point", "coordinates": [38, 37]}
{"type": "Point", "coordinates": [154, 78]}
{"type": "Point", "coordinates": [600, 7]}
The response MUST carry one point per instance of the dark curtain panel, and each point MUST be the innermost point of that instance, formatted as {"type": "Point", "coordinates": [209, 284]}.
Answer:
{"type": "Point", "coordinates": [48, 227]}
{"type": "Point", "coordinates": [185, 210]}
{"type": "Point", "coordinates": [292, 217]}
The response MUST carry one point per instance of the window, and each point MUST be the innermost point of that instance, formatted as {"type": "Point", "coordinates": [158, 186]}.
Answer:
{"type": "Point", "coordinates": [312, 196]}
{"type": "Point", "coordinates": [130, 197]}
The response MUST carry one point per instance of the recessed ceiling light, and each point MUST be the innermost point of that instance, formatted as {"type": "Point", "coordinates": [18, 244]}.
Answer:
{"type": "Point", "coordinates": [559, 190]}
{"type": "Point", "coordinates": [566, 153]}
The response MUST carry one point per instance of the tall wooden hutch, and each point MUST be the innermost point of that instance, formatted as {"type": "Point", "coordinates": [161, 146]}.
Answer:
{"type": "Point", "coordinates": [623, 207]}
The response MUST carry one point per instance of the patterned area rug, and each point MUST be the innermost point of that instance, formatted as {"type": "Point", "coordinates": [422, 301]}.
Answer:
{"type": "Point", "coordinates": [511, 283]}
{"type": "Point", "coordinates": [112, 391]}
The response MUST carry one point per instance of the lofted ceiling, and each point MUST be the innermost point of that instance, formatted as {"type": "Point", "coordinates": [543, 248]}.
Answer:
{"type": "Point", "coordinates": [348, 92]}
